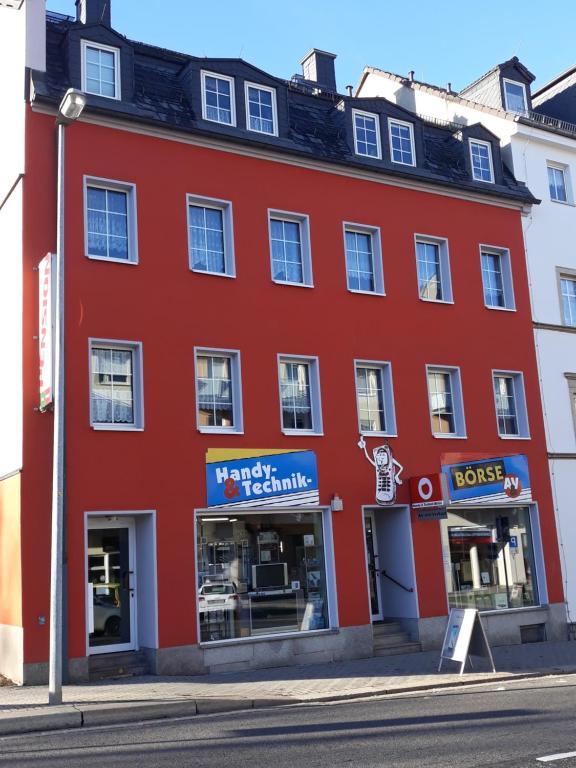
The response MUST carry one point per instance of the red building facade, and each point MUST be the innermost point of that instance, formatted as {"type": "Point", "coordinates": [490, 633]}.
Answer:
{"type": "Point", "coordinates": [232, 305]}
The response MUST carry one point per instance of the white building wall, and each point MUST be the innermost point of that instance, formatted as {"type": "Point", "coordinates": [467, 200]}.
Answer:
{"type": "Point", "coordinates": [549, 236]}
{"type": "Point", "coordinates": [22, 43]}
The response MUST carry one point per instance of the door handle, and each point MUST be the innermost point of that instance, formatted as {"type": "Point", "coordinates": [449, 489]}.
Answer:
{"type": "Point", "coordinates": [126, 581]}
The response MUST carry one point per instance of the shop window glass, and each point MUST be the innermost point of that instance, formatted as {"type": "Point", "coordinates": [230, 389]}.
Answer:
{"type": "Point", "coordinates": [260, 574]}
{"type": "Point", "coordinates": [490, 558]}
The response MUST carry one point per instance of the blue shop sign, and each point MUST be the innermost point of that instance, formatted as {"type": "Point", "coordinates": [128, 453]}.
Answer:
{"type": "Point", "coordinates": [261, 477]}
{"type": "Point", "coordinates": [502, 480]}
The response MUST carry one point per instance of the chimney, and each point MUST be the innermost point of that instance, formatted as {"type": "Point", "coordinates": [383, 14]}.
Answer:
{"type": "Point", "coordinates": [93, 12]}
{"type": "Point", "coordinates": [318, 66]}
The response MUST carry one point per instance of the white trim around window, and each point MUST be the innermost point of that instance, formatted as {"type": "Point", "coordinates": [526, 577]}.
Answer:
{"type": "Point", "coordinates": [116, 387]}
{"type": "Point", "coordinates": [479, 171]}
{"type": "Point", "coordinates": [445, 403]}
{"type": "Point", "coordinates": [111, 227]}
{"type": "Point", "coordinates": [566, 279]}
{"type": "Point", "coordinates": [259, 123]}
{"type": "Point", "coordinates": [290, 251]}
{"type": "Point", "coordinates": [356, 277]}
{"type": "Point", "coordinates": [375, 398]}
{"type": "Point", "coordinates": [511, 422]}
{"type": "Point", "coordinates": [410, 127]}
{"type": "Point", "coordinates": [301, 390]}
{"type": "Point", "coordinates": [505, 82]}
{"type": "Point", "coordinates": [218, 111]}
{"type": "Point", "coordinates": [435, 288]}
{"type": "Point", "coordinates": [104, 83]}
{"type": "Point", "coordinates": [497, 284]}
{"type": "Point", "coordinates": [559, 193]}
{"type": "Point", "coordinates": [234, 377]}
{"type": "Point", "coordinates": [361, 138]}
{"type": "Point", "coordinates": [219, 259]}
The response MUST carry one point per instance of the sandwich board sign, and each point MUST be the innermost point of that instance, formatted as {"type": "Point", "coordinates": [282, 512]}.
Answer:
{"type": "Point", "coordinates": [465, 637]}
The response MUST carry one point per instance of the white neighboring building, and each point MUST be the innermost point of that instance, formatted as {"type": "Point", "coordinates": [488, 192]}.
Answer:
{"type": "Point", "coordinates": [538, 135]}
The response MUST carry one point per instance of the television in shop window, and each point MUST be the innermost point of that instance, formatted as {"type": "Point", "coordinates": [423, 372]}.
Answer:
{"type": "Point", "coordinates": [269, 576]}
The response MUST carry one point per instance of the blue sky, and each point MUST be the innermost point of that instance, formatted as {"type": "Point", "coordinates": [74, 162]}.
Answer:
{"type": "Point", "coordinates": [441, 41]}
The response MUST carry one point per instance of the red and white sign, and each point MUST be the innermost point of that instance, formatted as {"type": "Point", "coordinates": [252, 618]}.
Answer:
{"type": "Point", "coordinates": [429, 491]}
{"type": "Point", "coordinates": [46, 334]}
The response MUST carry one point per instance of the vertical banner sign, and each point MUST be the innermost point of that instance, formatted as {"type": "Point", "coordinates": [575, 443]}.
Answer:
{"type": "Point", "coordinates": [46, 332]}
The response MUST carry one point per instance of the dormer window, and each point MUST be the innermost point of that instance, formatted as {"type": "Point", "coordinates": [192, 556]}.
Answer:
{"type": "Point", "coordinates": [366, 134]}
{"type": "Point", "coordinates": [218, 98]}
{"type": "Point", "coordinates": [481, 159]}
{"type": "Point", "coordinates": [100, 70]}
{"type": "Point", "coordinates": [401, 142]}
{"type": "Point", "coordinates": [514, 96]}
{"type": "Point", "coordinates": [261, 109]}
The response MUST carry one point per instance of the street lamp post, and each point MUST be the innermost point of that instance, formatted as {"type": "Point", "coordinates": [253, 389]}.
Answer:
{"type": "Point", "coordinates": [69, 110]}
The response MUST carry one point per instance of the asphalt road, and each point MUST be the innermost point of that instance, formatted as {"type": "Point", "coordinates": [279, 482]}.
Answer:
{"type": "Point", "coordinates": [508, 725]}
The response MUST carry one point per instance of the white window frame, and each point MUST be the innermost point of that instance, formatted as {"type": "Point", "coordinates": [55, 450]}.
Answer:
{"type": "Point", "coordinates": [506, 80]}
{"type": "Point", "coordinates": [564, 273]}
{"type": "Point", "coordinates": [225, 206]}
{"type": "Point", "coordinates": [410, 126]}
{"type": "Point", "coordinates": [303, 221]}
{"type": "Point", "coordinates": [376, 118]}
{"type": "Point", "coordinates": [385, 368]}
{"type": "Point", "coordinates": [377, 266]}
{"type": "Point", "coordinates": [571, 381]}
{"type": "Point", "coordinates": [565, 171]}
{"type": "Point", "coordinates": [259, 87]}
{"type": "Point", "coordinates": [519, 402]}
{"type": "Point", "coordinates": [204, 73]}
{"type": "Point", "coordinates": [445, 275]}
{"type": "Point", "coordinates": [236, 376]}
{"type": "Point", "coordinates": [137, 383]}
{"type": "Point", "coordinates": [315, 396]}
{"type": "Point", "coordinates": [507, 282]}
{"type": "Point", "coordinates": [490, 160]}
{"type": "Point", "coordinates": [131, 211]}
{"type": "Point", "coordinates": [457, 400]}
{"type": "Point", "coordinates": [84, 73]}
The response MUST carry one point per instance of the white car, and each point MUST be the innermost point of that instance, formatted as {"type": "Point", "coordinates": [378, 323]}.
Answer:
{"type": "Point", "coordinates": [218, 596]}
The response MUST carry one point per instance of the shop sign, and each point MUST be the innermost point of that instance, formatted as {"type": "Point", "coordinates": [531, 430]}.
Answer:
{"type": "Point", "coordinates": [46, 330]}
{"type": "Point", "coordinates": [387, 470]}
{"type": "Point", "coordinates": [261, 477]}
{"type": "Point", "coordinates": [429, 492]}
{"type": "Point", "coordinates": [500, 480]}
{"type": "Point", "coordinates": [465, 637]}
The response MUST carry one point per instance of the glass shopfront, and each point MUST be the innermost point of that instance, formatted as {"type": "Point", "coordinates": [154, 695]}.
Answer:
{"type": "Point", "coordinates": [489, 558]}
{"type": "Point", "coordinates": [260, 574]}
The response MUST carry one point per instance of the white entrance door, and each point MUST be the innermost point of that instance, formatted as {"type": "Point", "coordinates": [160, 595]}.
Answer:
{"type": "Point", "coordinates": [374, 582]}
{"type": "Point", "coordinates": [111, 587]}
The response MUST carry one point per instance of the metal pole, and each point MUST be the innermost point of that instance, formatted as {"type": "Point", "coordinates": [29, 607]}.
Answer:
{"type": "Point", "coordinates": [57, 548]}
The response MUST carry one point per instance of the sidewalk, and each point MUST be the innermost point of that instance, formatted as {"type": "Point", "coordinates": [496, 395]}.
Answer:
{"type": "Point", "coordinates": [145, 698]}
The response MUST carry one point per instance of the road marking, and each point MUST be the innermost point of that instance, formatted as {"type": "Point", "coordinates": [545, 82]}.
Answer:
{"type": "Point", "coordinates": [560, 756]}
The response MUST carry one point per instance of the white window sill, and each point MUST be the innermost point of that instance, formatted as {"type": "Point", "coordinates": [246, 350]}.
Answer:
{"type": "Point", "coordinates": [569, 203]}
{"type": "Point", "coordinates": [213, 274]}
{"type": "Point", "coordinates": [302, 433]}
{"type": "Point", "coordinates": [366, 293]}
{"type": "Point", "coordinates": [133, 262]}
{"type": "Point", "coordinates": [274, 133]}
{"type": "Point", "coordinates": [436, 301]}
{"type": "Point", "coordinates": [219, 431]}
{"type": "Point", "coordinates": [501, 309]}
{"type": "Point", "coordinates": [294, 285]}
{"type": "Point", "coordinates": [101, 95]}
{"type": "Point", "coordinates": [115, 428]}
{"type": "Point", "coordinates": [514, 437]}
{"type": "Point", "coordinates": [368, 157]}
{"type": "Point", "coordinates": [484, 181]}
{"type": "Point", "coordinates": [441, 436]}
{"type": "Point", "coordinates": [401, 162]}
{"type": "Point", "coordinates": [219, 122]}
{"type": "Point", "coordinates": [378, 434]}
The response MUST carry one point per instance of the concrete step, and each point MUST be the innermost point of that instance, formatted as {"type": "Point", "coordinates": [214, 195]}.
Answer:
{"type": "Point", "coordinates": [392, 638]}
{"type": "Point", "coordinates": [394, 650]}
{"type": "Point", "coordinates": [124, 664]}
{"type": "Point", "coordinates": [386, 628]}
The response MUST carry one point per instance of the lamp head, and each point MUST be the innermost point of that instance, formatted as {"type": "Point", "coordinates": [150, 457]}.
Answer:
{"type": "Point", "coordinates": [71, 106]}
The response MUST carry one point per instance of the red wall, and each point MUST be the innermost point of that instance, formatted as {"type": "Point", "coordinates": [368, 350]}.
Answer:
{"type": "Point", "coordinates": [170, 310]}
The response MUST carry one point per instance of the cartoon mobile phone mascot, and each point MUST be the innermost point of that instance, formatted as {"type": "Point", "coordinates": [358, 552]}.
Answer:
{"type": "Point", "coordinates": [388, 471]}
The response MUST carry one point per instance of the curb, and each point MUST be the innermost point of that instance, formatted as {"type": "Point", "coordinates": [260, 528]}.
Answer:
{"type": "Point", "coordinates": [36, 719]}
